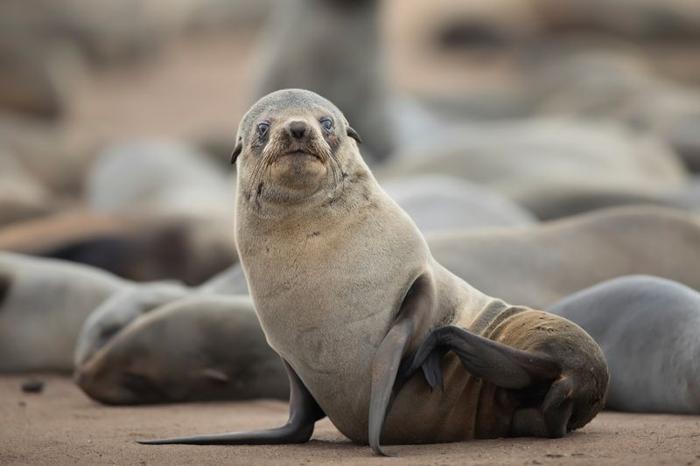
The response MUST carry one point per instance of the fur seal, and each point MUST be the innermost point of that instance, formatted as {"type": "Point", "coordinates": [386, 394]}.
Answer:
{"type": "Point", "coordinates": [541, 264]}
{"type": "Point", "coordinates": [172, 185]}
{"type": "Point", "coordinates": [556, 202]}
{"type": "Point", "coordinates": [119, 310]}
{"type": "Point", "coordinates": [362, 314]}
{"type": "Point", "coordinates": [21, 194]}
{"type": "Point", "coordinates": [196, 348]}
{"type": "Point", "coordinates": [158, 178]}
{"type": "Point", "coordinates": [647, 328]}
{"type": "Point", "coordinates": [439, 202]}
{"type": "Point", "coordinates": [43, 303]}
{"type": "Point", "coordinates": [606, 164]}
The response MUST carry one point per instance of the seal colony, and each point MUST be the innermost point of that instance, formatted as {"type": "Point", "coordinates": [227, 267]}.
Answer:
{"type": "Point", "coordinates": [366, 322]}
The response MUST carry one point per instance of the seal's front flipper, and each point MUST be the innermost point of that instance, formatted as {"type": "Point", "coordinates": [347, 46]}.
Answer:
{"type": "Point", "coordinates": [303, 414]}
{"type": "Point", "coordinates": [415, 309]}
{"type": "Point", "coordinates": [490, 360]}
{"type": "Point", "coordinates": [552, 419]}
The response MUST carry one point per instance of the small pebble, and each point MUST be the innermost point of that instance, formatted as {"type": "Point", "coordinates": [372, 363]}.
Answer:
{"type": "Point", "coordinates": [32, 386]}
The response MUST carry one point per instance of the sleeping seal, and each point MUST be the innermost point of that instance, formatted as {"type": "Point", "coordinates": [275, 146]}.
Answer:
{"type": "Point", "coordinates": [196, 348]}
{"type": "Point", "coordinates": [119, 310]}
{"type": "Point", "coordinates": [350, 297]}
{"type": "Point", "coordinates": [648, 330]}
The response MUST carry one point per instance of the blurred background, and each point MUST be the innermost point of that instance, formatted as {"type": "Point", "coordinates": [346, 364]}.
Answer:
{"type": "Point", "coordinates": [117, 117]}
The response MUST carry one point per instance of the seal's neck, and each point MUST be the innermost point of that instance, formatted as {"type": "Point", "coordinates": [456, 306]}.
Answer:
{"type": "Point", "coordinates": [354, 188]}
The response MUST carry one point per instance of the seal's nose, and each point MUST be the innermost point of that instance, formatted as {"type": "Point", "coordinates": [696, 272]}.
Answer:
{"type": "Point", "coordinates": [297, 129]}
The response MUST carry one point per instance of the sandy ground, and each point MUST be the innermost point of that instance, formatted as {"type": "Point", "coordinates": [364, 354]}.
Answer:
{"type": "Point", "coordinates": [62, 426]}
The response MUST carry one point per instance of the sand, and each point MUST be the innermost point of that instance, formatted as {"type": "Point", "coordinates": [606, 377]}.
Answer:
{"type": "Point", "coordinates": [62, 426]}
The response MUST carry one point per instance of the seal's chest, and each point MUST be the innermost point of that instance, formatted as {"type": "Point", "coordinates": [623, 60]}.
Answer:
{"type": "Point", "coordinates": [337, 346]}
{"type": "Point", "coordinates": [323, 313]}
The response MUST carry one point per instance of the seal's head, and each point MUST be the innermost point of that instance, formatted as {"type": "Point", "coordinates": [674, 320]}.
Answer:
{"type": "Point", "coordinates": [293, 145]}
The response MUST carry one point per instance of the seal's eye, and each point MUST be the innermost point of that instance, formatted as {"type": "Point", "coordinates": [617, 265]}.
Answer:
{"type": "Point", "coordinates": [263, 128]}
{"type": "Point", "coordinates": [327, 123]}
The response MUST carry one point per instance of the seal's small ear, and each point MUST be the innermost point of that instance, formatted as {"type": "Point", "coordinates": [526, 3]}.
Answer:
{"type": "Point", "coordinates": [353, 134]}
{"type": "Point", "coordinates": [236, 151]}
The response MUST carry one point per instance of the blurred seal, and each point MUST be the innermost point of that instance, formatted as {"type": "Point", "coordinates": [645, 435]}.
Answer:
{"type": "Point", "coordinates": [648, 330]}
{"type": "Point", "coordinates": [193, 349]}
{"type": "Point", "coordinates": [119, 310]}
{"type": "Point", "coordinates": [541, 264]}
{"type": "Point", "coordinates": [139, 247]}
{"type": "Point", "coordinates": [439, 202]}
{"type": "Point", "coordinates": [43, 303]}
{"type": "Point", "coordinates": [332, 47]}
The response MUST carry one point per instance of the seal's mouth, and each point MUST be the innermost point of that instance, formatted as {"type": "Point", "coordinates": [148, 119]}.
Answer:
{"type": "Point", "coordinates": [301, 152]}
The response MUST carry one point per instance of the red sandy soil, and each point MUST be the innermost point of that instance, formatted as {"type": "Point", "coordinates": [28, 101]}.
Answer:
{"type": "Point", "coordinates": [62, 426]}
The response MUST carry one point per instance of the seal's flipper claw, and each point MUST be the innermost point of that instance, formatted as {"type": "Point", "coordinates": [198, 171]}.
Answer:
{"type": "Point", "coordinates": [303, 414]}
{"type": "Point", "coordinates": [432, 370]}
{"type": "Point", "coordinates": [378, 450]}
{"type": "Point", "coordinates": [417, 305]}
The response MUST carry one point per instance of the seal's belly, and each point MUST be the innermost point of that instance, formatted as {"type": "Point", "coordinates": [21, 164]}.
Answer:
{"type": "Point", "coordinates": [465, 409]}
{"type": "Point", "coordinates": [327, 301]}
{"type": "Point", "coordinates": [331, 343]}
{"type": "Point", "coordinates": [334, 361]}
{"type": "Point", "coordinates": [422, 415]}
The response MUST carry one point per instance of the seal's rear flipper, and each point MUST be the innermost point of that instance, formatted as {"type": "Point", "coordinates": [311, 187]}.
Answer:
{"type": "Point", "coordinates": [416, 306]}
{"type": "Point", "coordinates": [505, 367]}
{"type": "Point", "coordinates": [490, 360]}
{"type": "Point", "coordinates": [303, 414]}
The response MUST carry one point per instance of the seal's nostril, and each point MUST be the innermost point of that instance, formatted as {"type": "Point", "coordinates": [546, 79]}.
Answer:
{"type": "Point", "coordinates": [297, 129]}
